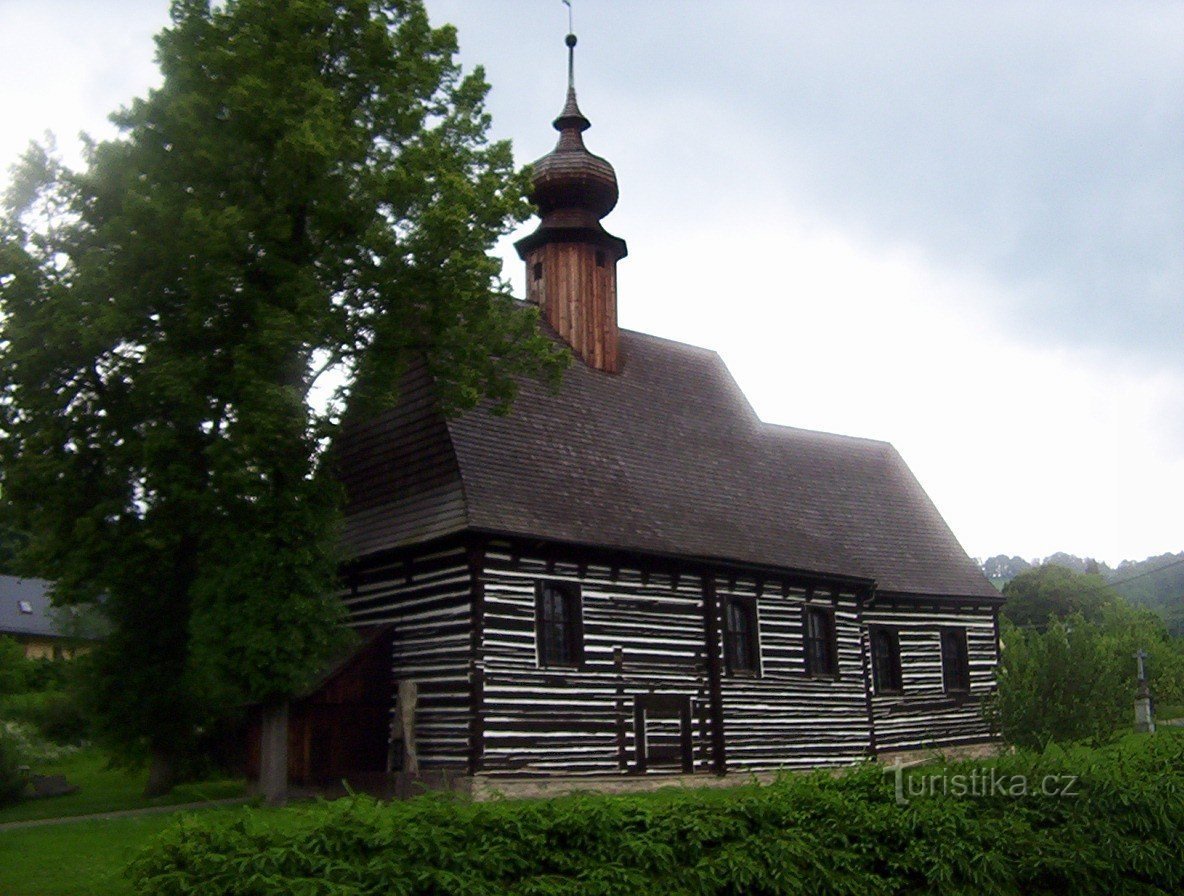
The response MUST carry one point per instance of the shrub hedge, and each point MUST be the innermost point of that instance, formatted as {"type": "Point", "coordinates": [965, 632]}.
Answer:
{"type": "Point", "coordinates": [1123, 832]}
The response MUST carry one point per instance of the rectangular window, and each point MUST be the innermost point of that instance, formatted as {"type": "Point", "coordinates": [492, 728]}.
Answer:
{"type": "Point", "coordinates": [885, 644]}
{"type": "Point", "coordinates": [821, 649]}
{"type": "Point", "coordinates": [955, 664]}
{"type": "Point", "coordinates": [742, 643]}
{"type": "Point", "coordinates": [559, 627]}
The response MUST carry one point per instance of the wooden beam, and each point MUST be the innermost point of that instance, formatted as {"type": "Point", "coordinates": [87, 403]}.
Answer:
{"type": "Point", "coordinates": [865, 664]}
{"type": "Point", "coordinates": [475, 556]}
{"type": "Point", "coordinates": [619, 675]}
{"type": "Point", "coordinates": [711, 634]}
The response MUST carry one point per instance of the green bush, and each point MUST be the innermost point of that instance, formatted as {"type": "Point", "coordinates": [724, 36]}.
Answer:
{"type": "Point", "coordinates": [62, 719]}
{"type": "Point", "coordinates": [14, 668]}
{"type": "Point", "coordinates": [1122, 833]}
{"type": "Point", "coordinates": [57, 715]}
{"type": "Point", "coordinates": [1061, 684]}
{"type": "Point", "coordinates": [46, 674]}
{"type": "Point", "coordinates": [1075, 678]}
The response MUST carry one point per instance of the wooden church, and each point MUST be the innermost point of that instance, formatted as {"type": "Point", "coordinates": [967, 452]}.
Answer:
{"type": "Point", "coordinates": [636, 576]}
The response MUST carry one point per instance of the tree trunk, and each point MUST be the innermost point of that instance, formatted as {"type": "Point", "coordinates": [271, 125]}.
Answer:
{"type": "Point", "coordinates": [273, 753]}
{"type": "Point", "coordinates": [162, 772]}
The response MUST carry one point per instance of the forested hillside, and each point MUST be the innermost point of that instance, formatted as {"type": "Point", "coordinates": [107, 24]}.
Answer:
{"type": "Point", "coordinates": [1156, 583]}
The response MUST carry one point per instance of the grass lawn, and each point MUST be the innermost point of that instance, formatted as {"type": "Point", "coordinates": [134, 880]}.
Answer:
{"type": "Point", "coordinates": [87, 858]}
{"type": "Point", "coordinates": [80, 858]}
{"type": "Point", "coordinates": [84, 857]}
{"type": "Point", "coordinates": [103, 789]}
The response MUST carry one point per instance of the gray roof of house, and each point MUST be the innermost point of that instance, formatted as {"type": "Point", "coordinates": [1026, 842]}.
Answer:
{"type": "Point", "coordinates": [34, 593]}
{"type": "Point", "coordinates": [665, 457]}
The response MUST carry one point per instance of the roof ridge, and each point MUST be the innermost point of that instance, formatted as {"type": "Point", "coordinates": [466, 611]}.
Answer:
{"type": "Point", "coordinates": [670, 340]}
{"type": "Point", "coordinates": [827, 434]}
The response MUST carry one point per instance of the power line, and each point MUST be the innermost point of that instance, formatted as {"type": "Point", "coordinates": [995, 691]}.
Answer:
{"type": "Point", "coordinates": [1150, 572]}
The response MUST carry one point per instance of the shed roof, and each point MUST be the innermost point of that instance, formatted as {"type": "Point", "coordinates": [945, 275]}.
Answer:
{"type": "Point", "coordinates": [665, 457]}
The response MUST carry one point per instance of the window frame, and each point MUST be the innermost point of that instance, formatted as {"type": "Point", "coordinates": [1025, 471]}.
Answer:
{"type": "Point", "coordinates": [896, 684]}
{"type": "Point", "coordinates": [955, 660]}
{"type": "Point", "coordinates": [573, 625]}
{"type": "Point", "coordinates": [829, 639]}
{"type": "Point", "coordinates": [747, 605]}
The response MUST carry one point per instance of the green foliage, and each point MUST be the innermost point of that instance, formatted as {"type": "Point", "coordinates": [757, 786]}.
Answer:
{"type": "Point", "coordinates": [1123, 832]}
{"type": "Point", "coordinates": [1076, 678]}
{"type": "Point", "coordinates": [1156, 583]}
{"type": "Point", "coordinates": [19, 674]}
{"type": "Point", "coordinates": [13, 777]}
{"type": "Point", "coordinates": [14, 668]}
{"type": "Point", "coordinates": [1061, 684]}
{"type": "Point", "coordinates": [58, 715]}
{"type": "Point", "coordinates": [304, 205]}
{"type": "Point", "coordinates": [1054, 592]}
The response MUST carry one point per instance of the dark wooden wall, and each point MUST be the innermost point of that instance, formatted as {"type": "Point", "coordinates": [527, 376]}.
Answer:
{"type": "Point", "coordinates": [540, 721]}
{"type": "Point", "coordinates": [786, 718]}
{"type": "Point", "coordinates": [560, 721]}
{"type": "Point", "coordinates": [427, 598]}
{"type": "Point", "coordinates": [923, 715]}
{"type": "Point", "coordinates": [464, 630]}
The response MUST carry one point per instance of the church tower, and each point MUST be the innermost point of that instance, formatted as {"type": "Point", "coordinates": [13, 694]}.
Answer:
{"type": "Point", "coordinates": [571, 260]}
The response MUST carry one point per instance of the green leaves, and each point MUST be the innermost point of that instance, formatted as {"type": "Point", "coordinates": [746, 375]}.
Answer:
{"type": "Point", "coordinates": [1075, 679]}
{"type": "Point", "coordinates": [308, 198]}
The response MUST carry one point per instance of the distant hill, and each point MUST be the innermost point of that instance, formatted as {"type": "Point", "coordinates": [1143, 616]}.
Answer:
{"type": "Point", "coordinates": [1156, 583]}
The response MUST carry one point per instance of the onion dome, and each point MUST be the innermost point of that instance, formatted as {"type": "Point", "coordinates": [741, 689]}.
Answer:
{"type": "Point", "coordinates": [573, 188]}
{"type": "Point", "coordinates": [570, 177]}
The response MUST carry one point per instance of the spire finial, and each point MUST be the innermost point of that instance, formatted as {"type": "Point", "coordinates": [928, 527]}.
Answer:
{"type": "Point", "coordinates": [570, 40]}
{"type": "Point", "coordinates": [571, 120]}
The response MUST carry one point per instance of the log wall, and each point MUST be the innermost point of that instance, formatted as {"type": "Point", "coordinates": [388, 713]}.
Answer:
{"type": "Point", "coordinates": [923, 715]}
{"type": "Point", "coordinates": [645, 633]}
{"type": "Point", "coordinates": [428, 598]}
{"type": "Point", "coordinates": [784, 717]}
{"type": "Point", "coordinates": [465, 631]}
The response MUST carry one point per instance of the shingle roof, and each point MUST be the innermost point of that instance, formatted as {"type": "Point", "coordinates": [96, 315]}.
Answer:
{"type": "Point", "coordinates": [33, 594]}
{"type": "Point", "coordinates": [665, 457]}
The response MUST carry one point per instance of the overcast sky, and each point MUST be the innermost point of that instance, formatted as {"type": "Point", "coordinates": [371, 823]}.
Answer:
{"type": "Point", "coordinates": [955, 226]}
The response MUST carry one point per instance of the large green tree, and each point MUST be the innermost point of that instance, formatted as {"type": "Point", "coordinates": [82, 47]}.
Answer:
{"type": "Point", "coordinates": [307, 202]}
{"type": "Point", "coordinates": [1051, 592]}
